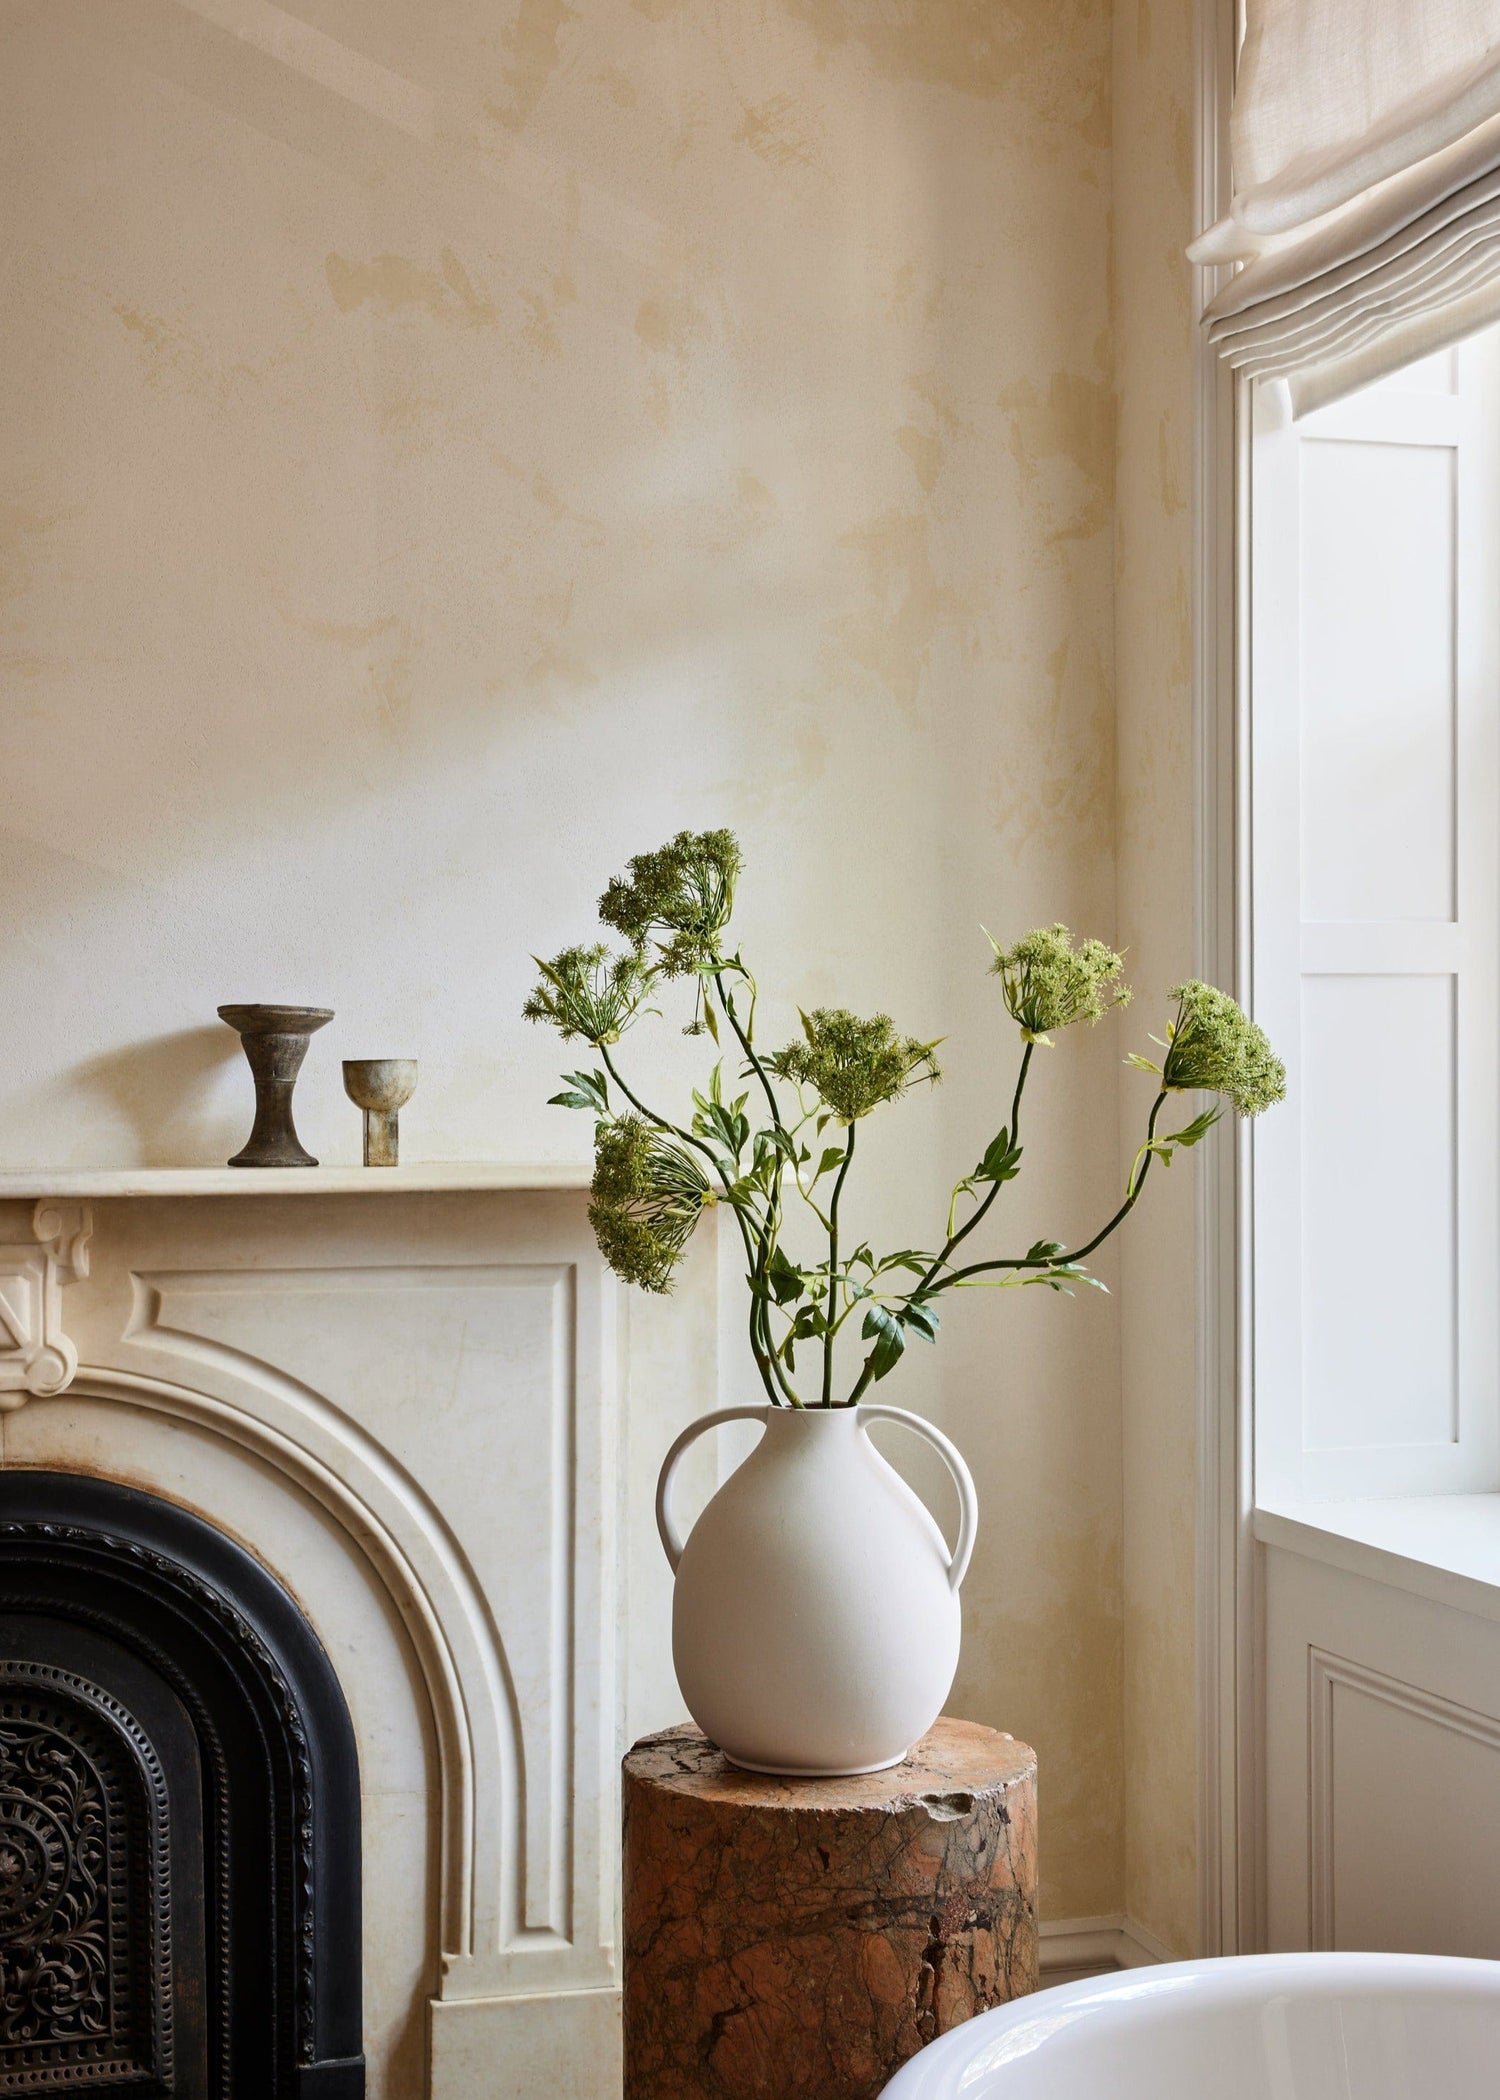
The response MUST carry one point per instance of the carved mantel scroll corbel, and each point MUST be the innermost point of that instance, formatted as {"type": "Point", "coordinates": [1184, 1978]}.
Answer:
{"type": "Point", "coordinates": [36, 1356]}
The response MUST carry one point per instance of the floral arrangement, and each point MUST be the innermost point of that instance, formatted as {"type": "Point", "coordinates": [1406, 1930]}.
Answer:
{"type": "Point", "coordinates": [789, 1136]}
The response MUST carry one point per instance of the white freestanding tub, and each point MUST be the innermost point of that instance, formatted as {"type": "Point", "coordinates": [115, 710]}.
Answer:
{"type": "Point", "coordinates": [1250, 2027]}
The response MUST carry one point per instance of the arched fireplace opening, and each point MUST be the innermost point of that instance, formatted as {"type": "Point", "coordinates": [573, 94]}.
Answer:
{"type": "Point", "coordinates": [179, 1812]}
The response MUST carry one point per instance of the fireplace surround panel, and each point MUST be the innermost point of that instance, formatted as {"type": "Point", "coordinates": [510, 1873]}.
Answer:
{"type": "Point", "coordinates": [408, 1408]}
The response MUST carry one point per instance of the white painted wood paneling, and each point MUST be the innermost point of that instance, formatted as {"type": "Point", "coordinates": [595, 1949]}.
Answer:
{"type": "Point", "coordinates": [1377, 685]}
{"type": "Point", "coordinates": [1382, 1765]}
{"type": "Point", "coordinates": [1375, 905]}
{"type": "Point", "coordinates": [1379, 1366]}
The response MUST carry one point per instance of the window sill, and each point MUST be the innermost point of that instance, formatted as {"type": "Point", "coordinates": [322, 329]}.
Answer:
{"type": "Point", "coordinates": [1446, 1547]}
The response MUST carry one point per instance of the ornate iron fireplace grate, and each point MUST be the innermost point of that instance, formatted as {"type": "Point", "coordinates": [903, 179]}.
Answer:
{"type": "Point", "coordinates": [179, 1812]}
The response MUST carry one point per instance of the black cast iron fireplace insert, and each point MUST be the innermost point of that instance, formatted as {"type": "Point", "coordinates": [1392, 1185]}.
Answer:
{"type": "Point", "coordinates": [179, 1813]}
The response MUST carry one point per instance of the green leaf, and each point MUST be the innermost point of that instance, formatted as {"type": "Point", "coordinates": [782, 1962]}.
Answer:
{"type": "Point", "coordinates": [786, 1280]}
{"type": "Point", "coordinates": [883, 1328]}
{"type": "Point", "coordinates": [588, 1090]}
{"type": "Point", "coordinates": [909, 1258]}
{"type": "Point", "coordinates": [1002, 1161]}
{"type": "Point", "coordinates": [1143, 1064]}
{"type": "Point", "coordinates": [999, 1146]}
{"type": "Point", "coordinates": [832, 1157]}
{"type": "Point", "coordinates": [1193, 1133]}
{"type": "Point", "coordinates": [921, 1318]}
{"type": "Point", "coordinates": [1043, 1250]}
{"type": "Point", "coordinates": [1064, 1275]}
{"type": "Point", "coordinates": [713, 1120]}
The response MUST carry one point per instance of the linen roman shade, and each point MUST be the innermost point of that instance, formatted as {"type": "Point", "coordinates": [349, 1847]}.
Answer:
{"type": "Point", "coordinates": [1365, 140]}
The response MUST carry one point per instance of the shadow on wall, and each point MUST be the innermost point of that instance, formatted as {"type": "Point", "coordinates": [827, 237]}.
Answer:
{"type": "Point", "coordinates": [163, 1088]}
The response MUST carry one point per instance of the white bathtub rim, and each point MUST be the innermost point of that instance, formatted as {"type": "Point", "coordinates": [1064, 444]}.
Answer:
{"type": "Point", "coordinates": [1220, 1980]}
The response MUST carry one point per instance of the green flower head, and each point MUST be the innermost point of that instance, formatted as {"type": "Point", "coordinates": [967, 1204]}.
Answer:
{"type": "Point", "coordinates": [648, 1195]}
{"type": "Point", "coordinates": [589, 992]}
{"type": "Point", "coordinates": [1048, 983]}
{"type": "Point", "coordinates": [1214, 1045]}
{"type": "Point", "coordinates": [680, 896]}
{"type": "Point", "coordinates": [854, 1065]}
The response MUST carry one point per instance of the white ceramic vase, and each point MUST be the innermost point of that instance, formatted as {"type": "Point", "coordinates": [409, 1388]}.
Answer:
{"type": "Point", "coordinates": [816, 1621]}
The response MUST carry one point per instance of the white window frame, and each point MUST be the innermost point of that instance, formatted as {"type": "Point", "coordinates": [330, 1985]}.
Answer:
{"type": "Point", "coordinates": [1231, 1848]}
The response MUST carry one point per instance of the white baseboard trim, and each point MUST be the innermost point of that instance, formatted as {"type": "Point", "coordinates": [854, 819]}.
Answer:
{"type": "Point", "coordinates": [1076, 1947]}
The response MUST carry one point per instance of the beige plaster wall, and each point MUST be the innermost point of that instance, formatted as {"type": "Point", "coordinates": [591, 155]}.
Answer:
{"type": "Point", "coordinates": [1154, 86]}
{"type": "Point", "coordinates": [447, 448]}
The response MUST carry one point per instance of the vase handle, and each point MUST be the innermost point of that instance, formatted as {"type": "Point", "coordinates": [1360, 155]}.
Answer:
{"type": "Point", "coordinates": [671, 1540]}
{"type": "Point", "coordinates": [963, 1480]}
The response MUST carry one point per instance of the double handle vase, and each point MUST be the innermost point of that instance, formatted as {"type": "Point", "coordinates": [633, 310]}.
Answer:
{"type": "Point", "coordinates": [816, 1617]}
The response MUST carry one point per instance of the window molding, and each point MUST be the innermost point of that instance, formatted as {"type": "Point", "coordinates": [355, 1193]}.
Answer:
{"type": "Point", "coordinates": [1230, 1848]}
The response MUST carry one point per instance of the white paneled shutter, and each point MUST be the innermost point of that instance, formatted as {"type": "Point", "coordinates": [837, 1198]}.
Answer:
{"type": "Point", "coordinates": [1365, 141]}
{"type": "Point", "coordinates": [1375, 786]}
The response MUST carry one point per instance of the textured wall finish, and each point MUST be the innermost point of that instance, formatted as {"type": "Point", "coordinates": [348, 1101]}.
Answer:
{"type": "Point", "coordinates": [449, 447]}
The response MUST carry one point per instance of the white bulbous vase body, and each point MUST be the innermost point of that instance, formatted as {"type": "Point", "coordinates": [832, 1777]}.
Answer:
{"type": "Point", "coordinates": [816, 1618]}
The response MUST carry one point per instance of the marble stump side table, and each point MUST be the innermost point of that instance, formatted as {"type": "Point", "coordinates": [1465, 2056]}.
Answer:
{"type": "Point", "coordinates": [799, 1939]}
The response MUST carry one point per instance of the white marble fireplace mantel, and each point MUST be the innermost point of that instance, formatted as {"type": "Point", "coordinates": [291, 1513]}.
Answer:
{"type": "Point", "coordinates": [405, 1391]}
{"type": "Point", "coordinates": [420, 1178]}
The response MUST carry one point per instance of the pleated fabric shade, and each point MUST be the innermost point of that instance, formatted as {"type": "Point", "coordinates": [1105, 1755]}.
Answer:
{"type": "Point", "coordinates": [1365, 139]}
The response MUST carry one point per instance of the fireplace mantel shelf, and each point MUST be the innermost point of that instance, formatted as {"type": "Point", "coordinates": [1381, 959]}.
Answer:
{"type": "Point", "coordinates": [419, 1178]}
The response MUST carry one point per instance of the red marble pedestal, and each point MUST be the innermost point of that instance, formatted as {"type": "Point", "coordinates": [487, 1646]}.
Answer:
{"type": "Point", "coordinates": [799, 1939]}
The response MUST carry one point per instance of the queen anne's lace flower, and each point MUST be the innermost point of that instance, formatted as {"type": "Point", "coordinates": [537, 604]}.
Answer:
{"type": "Point", "coordinates": [1214, 1046]}
{"type": "Point", "coordinates": [1048, 983]}
{"type": "Point", "coordinates": [648, 1195]}
{"type": "Point", "coordinates": [589, 992]}
{"type": "Point", "coordinates": [684, 891]}
{"type": "Point", "coordinates": [854, 1065]}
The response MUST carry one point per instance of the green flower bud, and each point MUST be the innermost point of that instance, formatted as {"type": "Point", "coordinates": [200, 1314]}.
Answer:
{"type": "Point", "coordinates": [1215, 1047]}
{"type": "Point", "coordinates": [590, 993]}
{"type": "Point", "coordinates": [854, 1065]}
{"type": "Point", "coordinates": [684, 891]}
{"type": "Point", "coordinates": [648, 1195]}
{"type": "Point", "coordinates": [1047, 983]}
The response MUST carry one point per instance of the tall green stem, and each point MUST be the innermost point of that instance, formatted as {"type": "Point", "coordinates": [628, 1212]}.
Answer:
{"type": "Point", "coordinates": [761, 1303]}
{"type": "Point", "coordinates": [861, 1384]}
{"type": "Point", "coordinates": [660, 1121]}
{"type": "Point", "coordinates": [968, 1226]}
{"type": "Point", "coordinates": [1077, 1254]}
{"type": "Point", "coordinates": [868, 1370]}
{"type": "Point", "coordinates": [772, 1222]}
{"type": "Point", "coordinates": [749, 1049]}
{"type": "Point", "coordinates": [829, 1308]}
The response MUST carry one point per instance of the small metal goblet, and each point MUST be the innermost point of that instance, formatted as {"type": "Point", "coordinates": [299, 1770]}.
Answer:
{"type": "Point", "coordinates": [381, 1086]}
